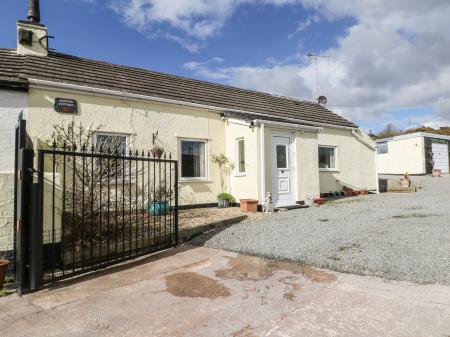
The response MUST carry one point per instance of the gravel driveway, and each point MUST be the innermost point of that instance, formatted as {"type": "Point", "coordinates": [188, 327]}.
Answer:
{"type": "Point", "coordinates": [395, 236]}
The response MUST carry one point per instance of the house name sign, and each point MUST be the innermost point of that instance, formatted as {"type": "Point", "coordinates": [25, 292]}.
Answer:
{"type": "Point", "coordinates": [66, 105]}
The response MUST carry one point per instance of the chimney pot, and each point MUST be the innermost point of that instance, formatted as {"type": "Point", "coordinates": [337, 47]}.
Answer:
{"type": "Point", "coordinates": [34, 13]}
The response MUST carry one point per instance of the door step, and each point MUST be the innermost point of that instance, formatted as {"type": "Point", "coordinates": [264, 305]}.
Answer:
{"type": "Point", "coordinates": [288, 208]}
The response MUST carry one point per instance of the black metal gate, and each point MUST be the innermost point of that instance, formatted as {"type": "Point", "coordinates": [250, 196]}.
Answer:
{"type": "Point", "coordinates": [23, 170]}
{"type": "Point", "coordinates": [95, 207]}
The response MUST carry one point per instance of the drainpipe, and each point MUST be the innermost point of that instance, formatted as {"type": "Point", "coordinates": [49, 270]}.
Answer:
{"type": "Point", "coordinates": [377, 182]}
{"type": "Point", "coordinates": [263, 162]}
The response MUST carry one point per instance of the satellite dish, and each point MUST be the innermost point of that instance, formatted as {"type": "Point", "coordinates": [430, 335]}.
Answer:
{"type": "Point", "coordinates": [322, 100]}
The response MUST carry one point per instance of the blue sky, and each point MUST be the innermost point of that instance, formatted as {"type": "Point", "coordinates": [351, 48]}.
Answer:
{"type": "Point", "coordinates": [262, 46]}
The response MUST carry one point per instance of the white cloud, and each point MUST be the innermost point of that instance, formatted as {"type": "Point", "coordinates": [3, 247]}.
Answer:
{"type": "Point", "coordinates": [303, 25]}
{"type": "Point", "coordinates": [186, 21]}
{"type": "Point", "coordinates": [396, 52]}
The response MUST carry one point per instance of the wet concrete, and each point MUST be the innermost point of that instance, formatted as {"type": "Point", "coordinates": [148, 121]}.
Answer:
{"type": "Point", "coordinates": [201, 292]}
{"type": "Point", "coordinates": [195, 285]}
{"type": "Point", "coordinates": [251, 268]}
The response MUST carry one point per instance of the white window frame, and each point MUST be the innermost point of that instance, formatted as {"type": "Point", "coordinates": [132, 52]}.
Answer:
{"type": "Point", "coordinates": [239, 173]}
{"type": "Point", "coordinates": [127, 137]}
{"type": "Point", "coordinates": [180, 163]}
{"type": "Point", "coordinates": [336, 159]}
{"type": "Point", "coordinates": [382, 144]}
{"type": "Point", "coordinates": [113, 134]}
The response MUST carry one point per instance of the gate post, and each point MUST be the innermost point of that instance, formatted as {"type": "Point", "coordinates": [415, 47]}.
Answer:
{"type": "Point", "coordinates": [176, 205]}
{"type": "Point", "coordinates": [36, 241]}
{"type": "Point", "coordinates": [22, 225]}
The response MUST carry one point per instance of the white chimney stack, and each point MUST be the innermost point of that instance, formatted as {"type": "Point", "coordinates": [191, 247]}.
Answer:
{"type": "Point", "coordinates": [32, 36]}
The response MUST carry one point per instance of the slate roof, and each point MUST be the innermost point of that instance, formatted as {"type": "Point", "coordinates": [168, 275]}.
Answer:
{"type": "Point", "coordinates": [63, 68]}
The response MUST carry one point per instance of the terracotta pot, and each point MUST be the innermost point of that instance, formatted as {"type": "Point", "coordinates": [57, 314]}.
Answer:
{"type": "Point", "coordinates": [319, 201]}
{"type": "Point", "coordinates": [364, 192]}
{"type": "Point", "coordinates": [348, 193]}
{"type": "Point", "coordinates": [249, 205]}
{"type": "Point", "coordinates": [436, 173]}
{"type": "Point", "coordinates": [3, 268]}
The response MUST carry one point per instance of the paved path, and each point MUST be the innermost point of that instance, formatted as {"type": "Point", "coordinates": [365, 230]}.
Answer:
{"type": "Point", "coordinates": [202, 292]}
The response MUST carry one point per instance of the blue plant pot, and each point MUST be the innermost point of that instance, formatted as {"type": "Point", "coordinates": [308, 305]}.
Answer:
{"type": "Point", "coordinates": [159, 207]}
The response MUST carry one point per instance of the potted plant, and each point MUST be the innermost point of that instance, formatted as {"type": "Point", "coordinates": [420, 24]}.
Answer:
{"type": "Point", "coordinates": [225, 200]}
{"type": "Point", "coordinates": [157, 151]}
{"type": "Point", "coordinates": [160, 199]}
{"type": "Point", "coordinates": [348, 191]}
{"type": "Point", "coordinates": [4, 263]}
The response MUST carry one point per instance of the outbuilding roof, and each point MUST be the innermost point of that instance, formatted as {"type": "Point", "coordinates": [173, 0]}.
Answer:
{"type": "Point", "coordinates": [413, 135]}
{"type": "Point", "coordinates": [57, 67]}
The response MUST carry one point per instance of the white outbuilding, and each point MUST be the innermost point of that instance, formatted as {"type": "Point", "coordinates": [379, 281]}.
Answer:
{"type": "Point", "coordinates": [415, 153]}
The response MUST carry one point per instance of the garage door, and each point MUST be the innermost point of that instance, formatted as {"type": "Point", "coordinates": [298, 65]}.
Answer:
{"type": "Point", "coordinates": [440, 156]}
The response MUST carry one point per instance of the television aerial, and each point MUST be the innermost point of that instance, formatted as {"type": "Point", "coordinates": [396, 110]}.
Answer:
{"type": "Point", "coordinates": [315, 58]}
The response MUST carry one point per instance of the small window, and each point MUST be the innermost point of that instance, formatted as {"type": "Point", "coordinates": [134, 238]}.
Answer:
{"type": "Point", "coordinates": [382, 148]}
{"type": "Point", "coordinates": [282, 157]}
{"type": "Point", "coordinates": [112, 142]}
{"type": "Point", "coordinates": [327, 157]}
{"type": "Point", "coordinates": [193, 159]}
{"type": "Point", "coordinates": [241, 155]}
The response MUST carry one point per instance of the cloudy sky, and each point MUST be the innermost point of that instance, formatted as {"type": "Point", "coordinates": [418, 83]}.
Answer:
{"type": "Point", "coordinates": [382, 60]}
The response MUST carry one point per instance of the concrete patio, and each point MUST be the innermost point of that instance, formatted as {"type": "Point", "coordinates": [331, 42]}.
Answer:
{"type": "Point", "coordinates": [206, 292]}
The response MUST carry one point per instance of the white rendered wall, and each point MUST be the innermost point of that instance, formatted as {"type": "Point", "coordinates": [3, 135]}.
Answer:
{"type": "Point", "coordinates": [11, 103]}
{"type": "Point", "coordinates": [404, 155]}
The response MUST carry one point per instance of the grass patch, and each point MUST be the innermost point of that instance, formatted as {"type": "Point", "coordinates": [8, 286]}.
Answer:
{"type": "Point", "coordinates": [354, 245]}
{"type": "Point", "coordinates": [412, 215]}
{"type": "Point", "coordinates": [4, 292]}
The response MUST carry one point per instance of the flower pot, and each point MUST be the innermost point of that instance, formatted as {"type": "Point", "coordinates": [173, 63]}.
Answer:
{"type": "Point", "coordinates": [319, 201]}
{"type": "Point", "coordinates": [157, 152]}
{"type": "Point", "coordinates": [249, 205]}
{"type": "Point", "coordinates": [348, 192]}
{"type": "Point", "coordinates": [3, 268]}
{"type": "Point", "coordinates": [364, 192]}
{"type": "Point", "coordinates": [159, 207]}
{"type": "Point", "coordinates": [436, 173]}
{"type": "Point", "coordinates": [223, 203]}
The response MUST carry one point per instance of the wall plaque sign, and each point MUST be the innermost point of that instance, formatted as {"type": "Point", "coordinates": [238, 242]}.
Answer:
{"type": "Point", "coordinates": [66, 105]}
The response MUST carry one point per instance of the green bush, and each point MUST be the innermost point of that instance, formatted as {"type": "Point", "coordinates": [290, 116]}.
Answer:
{"type": "Point", "coordinates": [226, 196]}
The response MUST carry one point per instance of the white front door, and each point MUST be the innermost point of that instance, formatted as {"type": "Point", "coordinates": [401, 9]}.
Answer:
{"type": "Point", "coordinates": [282, 171]}
{"type": "Point", "coordinates": [440, 156]}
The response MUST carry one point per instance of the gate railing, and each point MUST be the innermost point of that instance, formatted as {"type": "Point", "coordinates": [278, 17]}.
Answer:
{"type": "Point", "coordinates": [102, 206]}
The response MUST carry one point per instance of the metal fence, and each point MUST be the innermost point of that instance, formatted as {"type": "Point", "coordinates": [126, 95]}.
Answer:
{"type": "Point", "coordinates": [103, 206]}
{"type": "Point", "coordinates": [84, 209]}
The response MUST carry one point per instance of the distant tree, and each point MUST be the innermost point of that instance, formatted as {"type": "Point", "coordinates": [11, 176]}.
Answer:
{"type": "Point", "coordinates": [389, 130]}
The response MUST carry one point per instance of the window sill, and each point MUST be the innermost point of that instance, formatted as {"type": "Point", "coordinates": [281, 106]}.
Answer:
{"type": "Point", "coordinates": [195, 180]}
{"type": "Point", "coordinates": [243, 174]}
{"type": "Point", "coordinates": [328, 170]}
